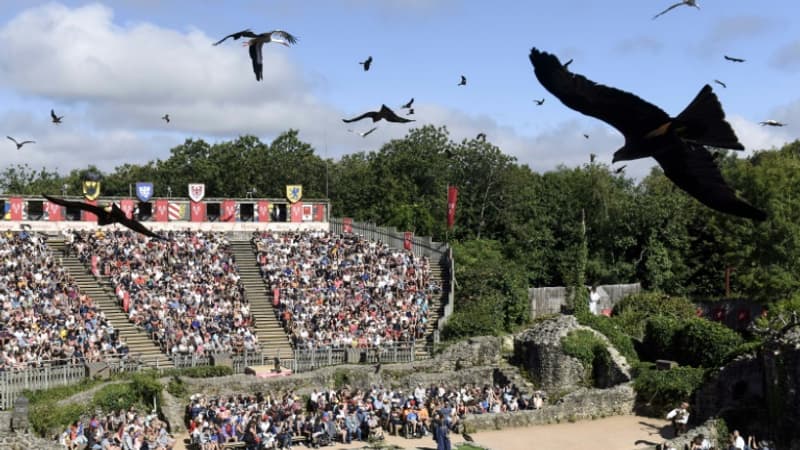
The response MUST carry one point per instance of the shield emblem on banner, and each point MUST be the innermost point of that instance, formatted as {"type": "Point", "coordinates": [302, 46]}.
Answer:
{"type": "Point", "coordinates": [294, 192]}
{"type": "Point", "coordinates": [91, 189]}
{"type": "Point", "coordinates": [197, 191]}
{"type": "Point", "coordinates": [144, 191]}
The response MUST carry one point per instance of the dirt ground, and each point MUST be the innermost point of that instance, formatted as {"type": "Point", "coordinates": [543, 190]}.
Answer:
{"type": "Point", "coordinates": [612, 433]}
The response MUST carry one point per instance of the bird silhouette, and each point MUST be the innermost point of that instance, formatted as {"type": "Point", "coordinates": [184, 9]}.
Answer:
{"type": "Point", "coordinates": [256, 43]}
{"type": "Point", "coordinates": [56, 119]}
{"type": "Point", "coordinates": [721, 83]}
{"type": "Point", "coordinates": [107, 215]}
{"type": "Point", "coordinates": [368, 132]}
{"type": "Point", "coordinates": [165, 117]}
{"type": "Point", "coordinates": [467, 437]}
{"type": "Point", "coordinates": [681, 3]}
{"type": "Point", "coordinates": [773, 123]}
{"type": "Point", "coordinates": [481, 137]}
{"type": "Point", "coordinates": [366, 63]}
{"type": "Point", "coordinates": [620, 169]}
{"type": "Point", "coordinates": [731, 58]}
{"type": "Point", "coordinates": [463, 81]}
{"type": "Point", "coordinates": [384, 113]}
{"type": "Point", "coordinates": [539, 102]}
{"type": "Point", "coordinates": [586, 135]}
{"type": "Point", "coordinates": [408, 105]}
{"type": "Point", "coordinates": [19, 144]}
{"type": "Point", "coordinates": [410, 111]}
{"type": "Point", "coordinates": [676, 143]}
{"type": "Point", "coordinates": [592, 157]}
{"type": "Point", "coordinates": [566, 64]}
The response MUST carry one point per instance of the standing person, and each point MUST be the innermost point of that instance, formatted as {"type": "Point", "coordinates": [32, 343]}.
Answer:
{"type": "Point", "coordinates": [737, 441]}
{"type": "Point", "coordinates": [441, 433]}
{"type": "Point", "coordinates": [680, 418]}
{"type": "Point", "coordinates": [594, 301]}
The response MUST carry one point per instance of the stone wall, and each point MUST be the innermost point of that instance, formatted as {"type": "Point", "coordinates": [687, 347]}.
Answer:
{"type": "Point", "coordinates": [11, 440]}
{"type": "Point", "coordinates": [549, 300]}
{"type": "Point", "coordinates": [583, 404]}
{"type": "Point", "coordinates": [539, 352]}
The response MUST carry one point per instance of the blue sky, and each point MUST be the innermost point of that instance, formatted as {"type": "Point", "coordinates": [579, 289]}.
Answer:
{"type": "Point", "coordinates": [113, 68]}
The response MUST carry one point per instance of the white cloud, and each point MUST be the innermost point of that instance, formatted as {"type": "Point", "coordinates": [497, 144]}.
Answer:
{"type": "Point", "coordinates": [758, 137]}
{"type": "Point", "coordinates": [787, 57]}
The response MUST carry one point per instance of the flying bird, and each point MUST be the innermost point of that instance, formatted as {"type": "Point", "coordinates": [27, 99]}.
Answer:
{"type": "Point", "coordinates": [408, 105]}
{"type": "Point", "coordinates": [481, 137]}
{"type": "Point", "coordinates": [539, 102]}
{"type": "Point", "coordinates": [165, 117]}
{"type": "Point", "coordinates": [384, 113]}
{"type": "Point", "coordinates": [731, 58]}
{"type": "Point", "coordinates": [721, 83]}
{"type": "Point", "coordinates": [463, 81]}
{"type": "Point", "coordinates": [467, 437]}
{"type": "Point", "coordinates": [256, 43]}
{"type": "Point", "coordinates": [676, 143]}
{"type": "Point", "coordinates": [620, 169]}
{"type": "Point", "coordinates": [410, 111]}
{"type": "Point", "coordinates": [19, 144]}
{"type": "Point", "coordinates": [366, 63]}
{"type": "Point", "coordinates": [107, 215]}
{"type": "Point", "coordinates": [681, 3]}
{"type": "Point", "coordinates": [566, 64]}
{"type": "Point", "coordinates": [56, 119]}
{"type": "Point", "coordinates": [592, 157]}
{"type": "Point", "coordinates": [368, 132]}
{"type": "Point", "coordinates": [586, 135]}
{"type": "Point", "coordinates": [773, 123]}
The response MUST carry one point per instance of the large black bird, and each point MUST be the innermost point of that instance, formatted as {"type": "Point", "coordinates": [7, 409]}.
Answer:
{"type": "Point", "coordinates": [56, 119]}
{"type": "Point", "coordinates": [481, 137]}
{"type": "Point", "coordinates": [257, 41]}
{"type": "Point", "coordinates": [165, 118]}
{"type": "Point", "coordinates": [19, 144]}
{"type": "Point", "coordinates": [385, 113]}
{"type": "Point", "coordinates": [463, 81]}
{"type": "Point", "coordinates": [681, 3]}
{"type": "Point", "coordinates": [721, 83]}
{"type": "Point", "coordinates": [732, 59]}
{"type": "Point", "coordinates": [408, 105]}
{"type": "Point", "coordinates": [539, 102]}
{"type": "Point", "coordinates": [677, 143]}
{"type": "Point", "coordinates": [107, 215]}
{"type": "Point", "coordinates": [467, 437]}
{"type": "Point", "coordinates": [366, 63]}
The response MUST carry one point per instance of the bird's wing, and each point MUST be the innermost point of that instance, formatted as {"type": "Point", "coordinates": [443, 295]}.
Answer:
{"type": "Point", "coordinates": [692, 168]}
{"type": "Point", "coordinates": [53, 114]}
{"type": "Point", "coordinates": [255, 57]}
{"type": "Point", "coordinates": [388, 115]}
{"type": "Point", "coordinates": [368, 132]}
{"type": "Point", "coordinates": [27, 142]}
{"type": "Point", "coordinates": [137, 227]}
{"type": "Point", "coordinates": [371, 114]}
{"type": "Point", "coordinates": [667, 10]}
{"type": "Point", "coordinates": [12, 140]}
{"type": "Point", "coordinates": [285, 35]}
{"type": "Point", "coordinates": [624, 111]}
{"type": "Point", "coordinates": [237, 35]}
{"type": "Point", "coordinates": [94, 209]}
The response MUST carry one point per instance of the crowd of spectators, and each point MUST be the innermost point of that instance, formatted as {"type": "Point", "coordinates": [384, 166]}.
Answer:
{"type": "Point", "coordinates": [268, 422]}
{"type": "Point", "coordinates": [342, 291]}
{"type": "Point", "coordinates": [184, 292]}
{"type": "Point", "coordinates": [119, 430]}
{"type": "Point", "coordinates": [45, 319]}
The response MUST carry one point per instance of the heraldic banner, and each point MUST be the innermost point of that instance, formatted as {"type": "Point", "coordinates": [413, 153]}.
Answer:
{"type": "Point", "coordinates": [263, 211]}
{"type": "Point", "coordinates": [294, 192]}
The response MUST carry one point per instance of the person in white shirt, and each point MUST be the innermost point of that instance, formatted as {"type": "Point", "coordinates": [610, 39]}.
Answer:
{"type": "Point", "coordinates": [594, 301]}
{"type": "Point", "coordinates": [737, 441]}
{"type": "Point", "coordinates": [680, 418]}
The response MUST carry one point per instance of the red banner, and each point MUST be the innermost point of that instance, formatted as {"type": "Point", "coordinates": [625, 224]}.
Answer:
{"type": "Point", "coordinates": [263, 211]}
{"type": "Point", "coordinates": [15, 210]}
{"type": "Point", "coordinates": [126, 205]}
{"type": "Point", "coordinates": [452, 199]}
{"type": "Point", "coordinates": [297, 212]}
{"type": "Point", "coordinates": [53, 211]}
{"type": "Point", "coordinates": [86, 216]}
{"type": "Point", "coordinates": [276, 297]}
{"type": "Point", "coordinates": [319, 213]}
{"type": "Point", "coordinates": [408, 240]}
{"type": "Point", "coordinates": [228, 211]}
{"type": "Point", "coordinates": [197, 211]}
{"type": "Point", "coordinates": [347, 225]}
{"type": "Point", "coordinates": [161, 213]}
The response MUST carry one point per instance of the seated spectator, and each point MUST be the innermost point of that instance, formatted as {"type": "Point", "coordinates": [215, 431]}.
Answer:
{"type": "Point", "coordinates": [700, 442]}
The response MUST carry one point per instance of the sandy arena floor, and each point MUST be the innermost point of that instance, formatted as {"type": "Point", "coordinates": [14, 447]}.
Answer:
{"type": "Point", "coordinates": [612, 433]}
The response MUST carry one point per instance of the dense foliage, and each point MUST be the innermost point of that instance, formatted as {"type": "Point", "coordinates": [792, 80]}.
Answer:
{"type": "Point", "coordinates": [695, 342]}
{"type": "Point", "coordinates": [590, 350]}
{"type": "Point", "coordinates": [659, 391]}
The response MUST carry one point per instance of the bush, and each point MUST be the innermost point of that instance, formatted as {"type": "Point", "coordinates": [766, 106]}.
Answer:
{"type": "Point", "coordinates": [590, 350]}
{"type": "Point", "coordinates": [658, 391]}
{"type": "Point", "coordinates": [479, 317]}
{"type": "Point", "coordinates": [200, 372]}
{"type": "Point", "coordinates": [659, 337]}
{"type": "Point", "coordinates": [46, 417]}
{"type": "Point", "coordinates": [605, 325]}
{"type": "Point", "coordinates": [704, 343]}
{"type": "Point", "coordinates": [633, 311]}
{"type": "Point", "coordinates": [115, 396]}
{"type": "Point", "coordinates": [177, 387]}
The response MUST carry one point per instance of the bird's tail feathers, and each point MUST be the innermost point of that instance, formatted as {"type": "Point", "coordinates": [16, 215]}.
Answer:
{"type": "Point", "coordinates": [703, 121]}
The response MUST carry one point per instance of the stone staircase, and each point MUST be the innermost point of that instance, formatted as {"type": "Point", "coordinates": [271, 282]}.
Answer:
{"type": "Point", "coordinates": [436, 310]}
{"type": "Point", "coordinates": [100, 290]}
{"type": "Point", "coordinates": [273, 339]}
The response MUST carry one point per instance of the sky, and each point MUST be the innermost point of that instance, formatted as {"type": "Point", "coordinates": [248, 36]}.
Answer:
{"type": "Point", "coordinates": [112, 69]}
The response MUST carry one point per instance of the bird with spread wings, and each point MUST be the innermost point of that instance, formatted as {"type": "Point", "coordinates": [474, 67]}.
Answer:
{"type": "Point", "coordinates": [19, 144]}
{"type": "Point", "coordinates": [256, 43]}
{"type": "Point", "coordinates": [681, 3]}
{"type": "Point", "coordinates": [384, 113]}
{"type": "Point", "coordinates": [676, 143]}
{"type": "Point", "coordinates": [107, 215]}
{"type": "Point", "coordinates": [56, 119]}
